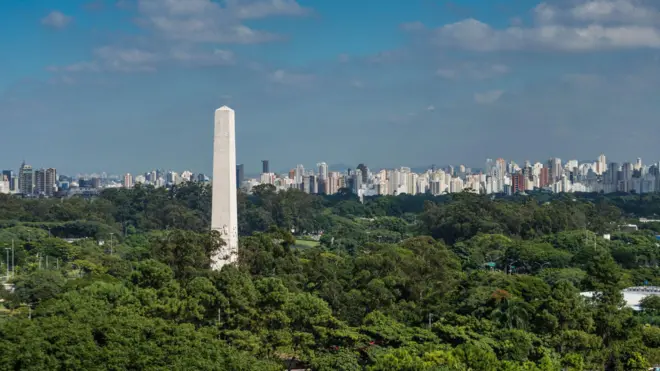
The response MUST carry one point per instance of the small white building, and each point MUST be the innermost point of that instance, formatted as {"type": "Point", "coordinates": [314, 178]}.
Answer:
{"type": "Point", "coordinates": [632, 295]}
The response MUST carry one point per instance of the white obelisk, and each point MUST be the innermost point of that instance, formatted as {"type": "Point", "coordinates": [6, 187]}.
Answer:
{"type": "Point", "coordinates": [224, 213]}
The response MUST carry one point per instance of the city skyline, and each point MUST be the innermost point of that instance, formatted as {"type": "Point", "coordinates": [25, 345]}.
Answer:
{"type": "Point", "coordinates": [497, 176]}
{"type": "Point", "coordinates": [102, 85]}
{"type": "Point", "coordinates": [257, 168]}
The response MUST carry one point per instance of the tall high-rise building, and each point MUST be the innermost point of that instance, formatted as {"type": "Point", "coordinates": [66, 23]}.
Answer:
{"type": "Point", "coordinates": [240, 175]}
{"type": "Point", "coordinates": [613, 173]}
{"type": "Point", "coordinates": [365, 173]}
{"type": "Point", "coordinates": [299, 174]}
{"type": "Point", "coordinates": [332, 185]}
{"type": "Point", "coordinates": [11, 179]}
{"type": "Point", "coordinates": [128, 181]}
{"type": "Point", "coordinates": [323, 178]}
{"type": "Point", "coordinates": [627, 171]}
{"type": "Point", "coordinates": [51, 181]}
{"type": "Point", "coordinates": [265, 167]}
{"type": "Point", "coordinates": [544, 177]}
{"type": "Point", "coordinates": [172, 178]}
{"type": "Point", "coordinates": [4, 184]}
{"type": "Point", "coordinates": [224, 218]}
{"type": "Point", "coordinates": [517, 182]}
{"type": "Point", "coordinates": [500, 168]}
{"type": "Point", "coordinates": [323, 170]}
{"type": "Point", "coordinates": [26, 179]}
{"type": "Point", "coordinates": [601, 164]}
{"type": "Point", "coordinates": [40, 182]}
{"type": "Point", "coordinates": [555, 169]}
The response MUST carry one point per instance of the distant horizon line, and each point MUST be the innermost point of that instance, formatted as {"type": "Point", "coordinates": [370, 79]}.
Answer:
{"type": "Point", "coordinates": [331, 167]}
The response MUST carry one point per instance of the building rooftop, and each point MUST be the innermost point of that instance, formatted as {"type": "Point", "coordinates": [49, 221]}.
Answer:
{"type": "Point", "coordinates": [632, 295]}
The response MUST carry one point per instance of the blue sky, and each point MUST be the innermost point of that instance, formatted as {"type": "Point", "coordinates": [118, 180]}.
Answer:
{"type": "Point", "coordinates": [131, 85]}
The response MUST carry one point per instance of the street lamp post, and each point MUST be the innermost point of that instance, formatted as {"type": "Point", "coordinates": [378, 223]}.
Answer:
{"type": "Point", "coordinates": [7, 250]}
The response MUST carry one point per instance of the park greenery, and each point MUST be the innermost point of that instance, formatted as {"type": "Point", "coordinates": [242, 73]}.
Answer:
{"type": "Point", "coordinates": [454, 282]}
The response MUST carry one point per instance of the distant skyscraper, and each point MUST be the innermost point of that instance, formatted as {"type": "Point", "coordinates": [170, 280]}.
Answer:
{"type": "Point", "coordinates": [299, 174]}
{"type": "Point", "coordinates": [128, 181]}
{"type": "Point", "coordinates": [240, 175]}
{"type": "Point", "coordinates": [500, 166]}
{"type": "Point", "coordinates": [25, 179]}
{"type": "Point", "coordinates": [323, 170]}
{"type": "Point", "coordinates": [265, 166]}
{"type": "Point", "coordinates": [613, 173]}
{"type": "Point", "coordinates": [40, 181]}
{"type": "Point", "coordinates": [4, 184]}
{"type": "Point", "coordinates": [365, 173]}
{"type": "Point", "coordinates": [11, 179]}
{"type": "Point", "coordinates": [51, 181]}
{"type": "Point", "coordinates": [517, 182]}
{"type": "Point", "coordinates": [96, 182]}
{"type": "Point", "coordinates": [555, 168]}
{"type": "Point", "coordinates": [323, 178]}
{"type": "Point", "coordinates": [601, 164]}
{"type": "Point", "coordinates": [544, 177]}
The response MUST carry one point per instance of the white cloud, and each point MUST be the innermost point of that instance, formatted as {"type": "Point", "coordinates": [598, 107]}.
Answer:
{"type": "Point", "coordinates": [56, 19]}
{"type": "Point", "coordinates": [76, 67]}
{"type": "Point", "coordinates": [343, 58]}
{"type": "Point", "coordinates": [430, 108]}
{"type": "Point", "coordinates": [472, 71]}
{"type": "Point", "coordinates": [205, 21]}
{"type": "Point", "coordinates": [64, 80]}
{"type": "Point", "coordinates": [268, 8]}
{"type": "Point", "coordinates": [587, 26]}
{"type": "Point", "coordinates": [628, 11]}
{"type": "Point", "coordinates": [218, 57]}
{"type": "Point", "coordinates": [581, 79]}
{"type": "Point", "coordinates": [357, 84]}
{"type": "Point", "coordinates": [447, 73]}
{"type": "Point", "coordinates": [477, 36]}
{"type": "Point", "coordinates": [413, 26]}
{"type": "Point", "coordinates": [112, 58]}
{"type": "Point", "coordinates": [126, 59]}
{"type": "Point", "coordinates": [290, 78]}
{"type": "Point", "coordinates": [488, 97]}
{"type": "Point", "coordinates": [179, 31]}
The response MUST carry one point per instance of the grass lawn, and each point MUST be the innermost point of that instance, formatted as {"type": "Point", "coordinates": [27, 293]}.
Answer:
{"type": "Point", "coordinates": [307, 243]}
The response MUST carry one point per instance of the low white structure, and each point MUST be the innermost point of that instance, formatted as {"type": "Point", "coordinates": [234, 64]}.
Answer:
{"type": "Point", "coordinates": [632, 295]}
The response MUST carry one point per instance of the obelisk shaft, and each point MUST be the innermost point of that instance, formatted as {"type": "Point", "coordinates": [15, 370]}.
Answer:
{"type": "Point", "coordinates": [224, 217]}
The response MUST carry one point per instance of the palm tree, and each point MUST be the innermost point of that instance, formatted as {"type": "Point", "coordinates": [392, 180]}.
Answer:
{"type": "Point", "coordinates": [511, 313]}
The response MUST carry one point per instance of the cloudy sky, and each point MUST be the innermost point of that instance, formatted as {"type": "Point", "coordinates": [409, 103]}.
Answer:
{"type": "Point", "coordinates": [131, 85]}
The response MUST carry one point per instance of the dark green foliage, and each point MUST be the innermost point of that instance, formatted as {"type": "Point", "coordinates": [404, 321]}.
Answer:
{"type": "Point", "coordinates": [458, 282]}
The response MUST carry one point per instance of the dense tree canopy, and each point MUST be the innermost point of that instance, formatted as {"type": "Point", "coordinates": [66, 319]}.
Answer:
{"type": "Point", "coordinates": [458, 282]}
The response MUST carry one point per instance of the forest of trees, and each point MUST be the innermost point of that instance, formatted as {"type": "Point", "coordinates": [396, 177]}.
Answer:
{"type": "Point", "coordinates": [457, 282]}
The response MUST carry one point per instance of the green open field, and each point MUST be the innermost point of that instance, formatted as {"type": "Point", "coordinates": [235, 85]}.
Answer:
{"type": "Point", "coordinates": [307, 243]}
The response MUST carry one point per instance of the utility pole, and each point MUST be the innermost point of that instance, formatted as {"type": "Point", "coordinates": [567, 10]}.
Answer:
{"type": "Point", "coordinates": [7, 250]}
{"type": "Point", "coordinates": [430, 317]}
{"type": "Point", "coordinates": [13, 260]}
{"type": "Point", "coordinates": [111, 234]}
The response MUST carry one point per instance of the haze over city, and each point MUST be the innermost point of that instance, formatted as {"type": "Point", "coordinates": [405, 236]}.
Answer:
{"type": "Point", "coordinates": [123, 86]}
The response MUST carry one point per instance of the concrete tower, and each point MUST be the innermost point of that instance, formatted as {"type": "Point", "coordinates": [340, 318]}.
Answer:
{"type": "Point", "coordinates": [224, 215]}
